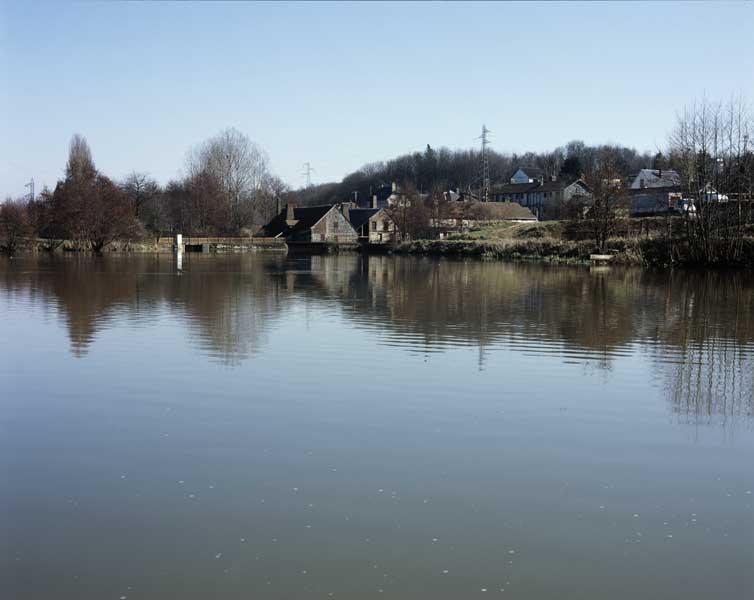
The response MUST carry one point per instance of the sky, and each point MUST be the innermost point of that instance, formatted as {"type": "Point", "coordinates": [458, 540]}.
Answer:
{"type": "Point", "coordinates": [340, 85]}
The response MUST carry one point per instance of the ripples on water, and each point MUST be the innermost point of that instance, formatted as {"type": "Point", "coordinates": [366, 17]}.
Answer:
{"type": "Point", "coordinates": [272, 427]}
{"type": "Point", "coordinates": [696, 328]}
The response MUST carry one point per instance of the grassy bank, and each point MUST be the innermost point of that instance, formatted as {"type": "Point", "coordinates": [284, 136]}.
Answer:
{"type": "Point", "coordinates": [642, 243]}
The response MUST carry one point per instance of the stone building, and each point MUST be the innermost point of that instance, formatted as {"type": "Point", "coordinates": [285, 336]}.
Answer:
{"type": "Point", "coordinates": [373, 225]}
{"type": "Point", "coordinates": [312, 224]}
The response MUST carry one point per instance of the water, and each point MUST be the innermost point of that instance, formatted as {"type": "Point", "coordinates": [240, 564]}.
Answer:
{"type": "Point", "coordinates": [258, 426]}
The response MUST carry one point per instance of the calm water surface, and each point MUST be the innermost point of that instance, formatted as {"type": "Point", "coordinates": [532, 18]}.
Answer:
{"type": "Point", "coordinates": [266, 427]}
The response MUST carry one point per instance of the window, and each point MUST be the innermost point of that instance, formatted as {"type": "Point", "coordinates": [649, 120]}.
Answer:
{"type": "Point", "coordinates": [385, 226]}
{"type": "Point", "coordinates": [374, 225]}
{"type": "Point", "coordinates": [335, 224]}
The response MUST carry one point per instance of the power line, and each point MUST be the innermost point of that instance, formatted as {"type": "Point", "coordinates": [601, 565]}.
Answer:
{"type": "Point", "coordinates": [485, 191]}
{"type": "Point", "coordinates": [30, 185]}
{"type": "Point", "coordinates": [308, 170]}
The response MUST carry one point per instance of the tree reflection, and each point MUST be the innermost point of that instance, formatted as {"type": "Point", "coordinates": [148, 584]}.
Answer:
{"type": "Point", "coordinates": [226, 305]}
{"type": "Point", "coordinates": [708, 360]}
{"type": "Point", "coordinates": [696, 329]}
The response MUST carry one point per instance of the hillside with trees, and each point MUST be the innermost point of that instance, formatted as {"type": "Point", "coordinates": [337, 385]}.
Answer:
{"type": "Point", "coordinates": [446, 169]}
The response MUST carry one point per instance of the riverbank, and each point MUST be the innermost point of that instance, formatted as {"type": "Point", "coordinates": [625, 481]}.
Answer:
{"type": "Point", "coordinates": [642, 243]}
{"type": "Point", "coordinates": [162, 245]}
{"type": "Point", "coordinates": [548, 250]}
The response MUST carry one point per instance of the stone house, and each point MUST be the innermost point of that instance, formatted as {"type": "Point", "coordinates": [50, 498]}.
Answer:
{"type": "Point", "coordinates": [312, 224]}
{"type": "Point", "coordinates": [373, 225]}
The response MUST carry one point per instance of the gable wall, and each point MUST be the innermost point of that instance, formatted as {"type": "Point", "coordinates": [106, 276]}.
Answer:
{"type": "Point", "coordinates": [519, 177]}
{"type": "Point", "coordinates": [333, 227]}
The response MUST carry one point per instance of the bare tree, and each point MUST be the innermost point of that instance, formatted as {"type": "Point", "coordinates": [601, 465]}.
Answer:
{"type": "Point", "coordinates": [142, 190]}
{"type": "Point", "coordinates": [90, 207]}
{"type": "Point", "coordinates": [238, 165]}
{"type": "Point", "coordinates": [47, 220]}
{"type": "Point", "coordinates": [609, 199]}
{"type": "Point", "coordinates": [269, 199]}
{"type": "Point", "coordinates": [410, 214]}
{"type": "Point", "coordinates": [80, 165]}
{"type": "Point", "coordinates": [15, 225]}
{"type": "Point", "coordinates": [710, 148]}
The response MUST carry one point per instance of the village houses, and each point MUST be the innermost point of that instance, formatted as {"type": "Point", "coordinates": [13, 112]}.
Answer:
{"type": "Point", "coordinates": [544, 198]}
{"type": "Point", "coordinates": [310, 224]}
{"type": "Point", "coordinates": [654, 191]}
{"type": "Point", "coordinates": [342, 223]}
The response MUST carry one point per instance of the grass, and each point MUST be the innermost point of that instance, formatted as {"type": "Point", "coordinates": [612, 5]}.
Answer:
{"type": "Point", "coordinates": [557, 241]}
{"type": "Point", "coordinates": [544, 241]}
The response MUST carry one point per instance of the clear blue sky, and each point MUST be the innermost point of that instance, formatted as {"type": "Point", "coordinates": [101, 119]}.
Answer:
{"type": "Point", "coordinates": [344, 84]}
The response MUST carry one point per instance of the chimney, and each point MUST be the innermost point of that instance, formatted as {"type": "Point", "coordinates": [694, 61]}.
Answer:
{"type": "Point", "coordinates": [345, 208]}
{"type": "Point", "coordinates": [374, 201]}
{"type": "Point", "coordinates": [395, 187]}
{"type": "Point", "coordinates": [290, 215]}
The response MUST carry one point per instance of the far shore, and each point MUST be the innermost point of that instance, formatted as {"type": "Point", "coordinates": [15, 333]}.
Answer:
{"type": "Point", "coordinates": [646, 245]}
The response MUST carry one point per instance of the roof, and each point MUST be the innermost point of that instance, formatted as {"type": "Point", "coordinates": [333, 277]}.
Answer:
{"type": "Point", "coordinates": [535, 186]}
{"type": "Point", "coordinates": [514, 188]}
{"type": "Point", "coordinates": [307, 217]}
{"type": "Point", "coordinates": [359, 216]}
{"type": "Point", "coordinates": [532, 172]}
{"type": "Point", "coordinates": [562, 184]}
{"type": "Point", "coordinates": [552, 186]}
{"type": "Point", "coordinates": [656, 178]}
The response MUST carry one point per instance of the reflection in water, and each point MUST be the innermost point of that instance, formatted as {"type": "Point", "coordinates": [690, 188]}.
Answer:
{"type": "Point", "coordinates": [698, 327]}
{"type": "Point", "coordinates": [262, 426]}
{"type": "Point", "coordinates": [226, 306]}
{"type": "Point", "coordinates": [706, 349]}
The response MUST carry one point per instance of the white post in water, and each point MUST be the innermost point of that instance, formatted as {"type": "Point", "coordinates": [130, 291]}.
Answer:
{"type": "Point", "coordinates": [179, 251]}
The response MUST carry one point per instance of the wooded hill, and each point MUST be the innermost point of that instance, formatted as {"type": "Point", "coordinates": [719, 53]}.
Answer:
{"type": "Point", "coordinates": [446, 169]}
